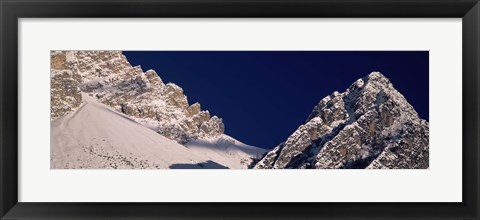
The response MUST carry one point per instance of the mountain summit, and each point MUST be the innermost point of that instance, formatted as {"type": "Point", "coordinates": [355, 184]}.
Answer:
{"type": "Point", "coordinates": [143, 96]}
{"type": "Point", "coordinates": [370, 125]}
{"type": "Point", "coordinates": [106, 113]}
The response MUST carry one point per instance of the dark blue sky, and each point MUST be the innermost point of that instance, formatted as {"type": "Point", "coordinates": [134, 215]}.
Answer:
{"type": "Point", "coordinates": [263, 96]}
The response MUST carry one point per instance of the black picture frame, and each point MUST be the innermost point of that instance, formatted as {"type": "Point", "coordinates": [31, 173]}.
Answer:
{"type": "Point", "coordinates": [12, 10]}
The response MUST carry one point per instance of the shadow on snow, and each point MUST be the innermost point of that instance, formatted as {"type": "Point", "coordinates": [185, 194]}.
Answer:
{"type": "Point", "coordinates": [204, 165]}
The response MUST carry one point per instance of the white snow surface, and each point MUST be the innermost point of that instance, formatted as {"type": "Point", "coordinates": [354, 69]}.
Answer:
{"type": "Point", "coordinates": [95, 136]}
{"type": "Point", "coordinates": [226, 150]}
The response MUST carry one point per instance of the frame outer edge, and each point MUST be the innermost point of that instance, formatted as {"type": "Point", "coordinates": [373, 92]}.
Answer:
{"type": "Point", "coordinates": [476, 63]}
{"type": "Point", "coordinates": [8, 199]}
{"type": "Point", "coordinates": [471, 111]}
{"type": "Point", "coordinates": [2, 209]}
{"type": "Point", "coordinates": [8, 108]}
{"type": "Point", "coordinates": [478, 108]}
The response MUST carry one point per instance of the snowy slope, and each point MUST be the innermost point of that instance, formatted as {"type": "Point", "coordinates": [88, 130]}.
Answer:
{"type": "Point", "coordinates": [226, 150]}
{"type": "Point", "coordinates": [95, 136]}
{"type": "Point", "coordinates": [143, 96]}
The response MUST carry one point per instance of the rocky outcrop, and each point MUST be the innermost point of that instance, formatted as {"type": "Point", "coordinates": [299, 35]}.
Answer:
{"type": "Point", "coordinates": [370, 125]}
{"type": "Point", "coordinates": [108, 76]}
{"type": "Point", "coordinates": [65, 94]}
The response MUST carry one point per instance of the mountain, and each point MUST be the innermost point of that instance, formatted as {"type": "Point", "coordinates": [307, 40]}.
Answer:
{"type": "Point", "coordinates": [96, 136]}
{"type": "Point", "coordinates": [370, 125]}
{"type": "Point", "coordinates": [108, 114]}
{"type": "Point", "coordinates": [98, 95]}
{"type": "Point", "coordinates": [113, 81]}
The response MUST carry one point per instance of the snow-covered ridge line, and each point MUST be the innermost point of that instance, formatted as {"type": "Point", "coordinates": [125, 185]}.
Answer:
{"type": "Point", "coordinates": [141, 95]}
{"type": "Point", "coordinates": [108, 114]}
{"type": "Point", "coordinates": [95, 136]}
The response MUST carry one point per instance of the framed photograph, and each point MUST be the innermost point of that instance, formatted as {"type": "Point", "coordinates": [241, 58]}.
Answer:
{"type": "Point", "coordinates": [239, 110]}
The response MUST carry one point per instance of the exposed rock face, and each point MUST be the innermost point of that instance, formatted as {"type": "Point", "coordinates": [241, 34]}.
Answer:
{"type": "Point", "coordinates": [108, 76]}
{"type": "Point", "coordinates": [65, 94]}
{"type": "Point", "coordinates": [370, 125]}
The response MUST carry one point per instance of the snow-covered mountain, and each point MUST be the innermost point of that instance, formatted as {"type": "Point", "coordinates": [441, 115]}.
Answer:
{"type": "Point", "coordinates": [143, 96]}
{"type": "Point", "coordinates": [370, 125]}
{"type": "Point", "coordinates": [108, 114]}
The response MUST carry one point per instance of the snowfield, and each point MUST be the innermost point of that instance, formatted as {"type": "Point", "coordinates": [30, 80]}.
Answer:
{"type": "Point", "coordinates": [95, 136]}
{"type": "Point", "coordinates": [226, 150]}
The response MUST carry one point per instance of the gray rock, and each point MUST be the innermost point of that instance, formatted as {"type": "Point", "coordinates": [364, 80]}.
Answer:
{"type": "Point", "coordinates": [108, 76]}
{"type": "Point", "coordinates": [65, 94]}
{"type": "Point", "coordinates": [370, 125]}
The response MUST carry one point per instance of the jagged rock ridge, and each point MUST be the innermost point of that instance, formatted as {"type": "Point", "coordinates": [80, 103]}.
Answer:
{"type": "Point", "coordinates": [108, 76]}
{"type": "Point", "coordinates": [370, 125]}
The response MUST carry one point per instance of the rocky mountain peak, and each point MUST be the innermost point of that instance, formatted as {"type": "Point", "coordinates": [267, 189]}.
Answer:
{"type": "Point", "coordinates": [377, 77]}
{"type": "Point", "coordinates": [110, 78]}
{"type": "Point", "coordinates": [369, 125]}
{"type": "Point", "coordinates": [153, 77]}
